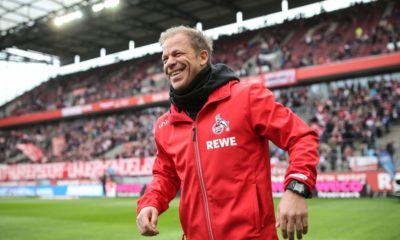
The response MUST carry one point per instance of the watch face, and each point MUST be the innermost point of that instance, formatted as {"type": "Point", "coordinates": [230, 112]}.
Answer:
{"type": "Point", "coordinates": [298, 187]}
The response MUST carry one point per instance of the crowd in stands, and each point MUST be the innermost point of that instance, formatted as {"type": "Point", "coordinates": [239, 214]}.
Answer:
{"type": "Point", "coordinates": [355, 32]}
{"type": "Point", "coordinates": [361, 30]}
{"type": "Point", "coordinates": [355, 117]}
{"type": "Point", "coordinates": [349, 116]}
{"type": "Point", "coordinates": [110, 82]}
{"type": "Point", "coordinates": [121, 135]}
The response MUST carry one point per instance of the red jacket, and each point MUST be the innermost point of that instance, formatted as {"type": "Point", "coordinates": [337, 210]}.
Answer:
{"type": "Point", "coordinates": [221, 163]}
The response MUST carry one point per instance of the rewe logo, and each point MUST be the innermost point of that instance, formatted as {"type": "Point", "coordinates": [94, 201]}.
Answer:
{"type": "Point", "coordinates": [221, 143]}
{"type": "Point", "coordinates": [220, 125]}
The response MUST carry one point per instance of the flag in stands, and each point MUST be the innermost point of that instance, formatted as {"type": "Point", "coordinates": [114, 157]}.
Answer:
{"type": "Point", "coordinates": [32, 151]}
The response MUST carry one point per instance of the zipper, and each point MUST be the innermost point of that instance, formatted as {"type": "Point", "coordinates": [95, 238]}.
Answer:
{"type": "Point", "coordinates": [202, 184]}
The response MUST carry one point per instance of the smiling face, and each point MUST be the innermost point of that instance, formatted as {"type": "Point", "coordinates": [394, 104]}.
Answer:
{"type": "Point", "coordinates": [181, 62]}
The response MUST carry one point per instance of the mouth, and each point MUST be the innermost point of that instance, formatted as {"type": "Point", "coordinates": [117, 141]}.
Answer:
{"type": "Point", "coordinates": [175, 75]}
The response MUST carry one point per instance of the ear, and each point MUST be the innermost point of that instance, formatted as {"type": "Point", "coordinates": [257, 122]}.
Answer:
{"type": "Point", "coordinates": [203, 57]}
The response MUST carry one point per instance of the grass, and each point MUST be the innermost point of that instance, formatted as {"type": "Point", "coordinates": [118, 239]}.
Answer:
{"type": "Point", "coordinates": [36, 219]}
{"type": "Point", "coordinates": [353, 219]}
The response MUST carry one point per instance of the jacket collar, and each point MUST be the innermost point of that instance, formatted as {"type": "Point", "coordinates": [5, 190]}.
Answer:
{"type": "Point", "coordinates": [218, 95]}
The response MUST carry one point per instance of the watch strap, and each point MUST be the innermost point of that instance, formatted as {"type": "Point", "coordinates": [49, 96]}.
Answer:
{"type": "Point", "coordinates": [299, 188]}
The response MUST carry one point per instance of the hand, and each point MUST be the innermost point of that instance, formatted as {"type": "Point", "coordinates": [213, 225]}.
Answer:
{"type": "Point", "coordinates": [146, 221]}
{"type": "Point", "coordinates": [292, 214]}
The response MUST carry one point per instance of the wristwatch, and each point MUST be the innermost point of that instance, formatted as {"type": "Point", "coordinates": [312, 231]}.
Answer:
{"type": "Point", "coordinates": [299, 188]}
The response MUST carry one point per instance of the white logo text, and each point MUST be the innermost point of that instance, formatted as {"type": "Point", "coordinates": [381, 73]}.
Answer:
{"type": "Point", "coordinates": [221, 142]}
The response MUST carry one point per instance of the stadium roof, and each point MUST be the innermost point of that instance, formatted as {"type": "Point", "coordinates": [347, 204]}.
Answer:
{"type": "Point", "coordinates": [29, 24]}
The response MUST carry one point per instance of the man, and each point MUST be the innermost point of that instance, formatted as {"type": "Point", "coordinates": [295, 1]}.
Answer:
{"type": "Point", "coordinates": [213, 145]}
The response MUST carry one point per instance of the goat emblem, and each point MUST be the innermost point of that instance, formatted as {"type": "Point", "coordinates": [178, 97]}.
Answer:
{"type": "Point", "coordinates": [220, 125]}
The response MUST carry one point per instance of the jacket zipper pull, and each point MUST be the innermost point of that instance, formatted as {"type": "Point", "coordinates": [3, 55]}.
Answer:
{"type": "Point", "coordinates": [194, 134]}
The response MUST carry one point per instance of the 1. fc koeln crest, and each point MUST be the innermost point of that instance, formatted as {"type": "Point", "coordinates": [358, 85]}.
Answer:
{"type": "Point", "coordinates": [220, 125]}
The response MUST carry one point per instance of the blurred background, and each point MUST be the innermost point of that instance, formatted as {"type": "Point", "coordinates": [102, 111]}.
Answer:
{"type": "Point", "coordinates": [81, 86]}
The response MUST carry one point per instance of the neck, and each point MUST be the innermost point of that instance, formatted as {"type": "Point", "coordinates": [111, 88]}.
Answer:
{"type": "Point", "coordinates": [193, 98]}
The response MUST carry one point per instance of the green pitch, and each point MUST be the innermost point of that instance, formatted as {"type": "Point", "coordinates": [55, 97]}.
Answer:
{"type": "Point", "coordinates": [114, 219]}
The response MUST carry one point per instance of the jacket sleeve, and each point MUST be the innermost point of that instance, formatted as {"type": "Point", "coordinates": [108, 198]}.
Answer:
{"type": "Point", "coordinates": [165, 183]}
{"type": "Point", "coordinates": [286, 130]}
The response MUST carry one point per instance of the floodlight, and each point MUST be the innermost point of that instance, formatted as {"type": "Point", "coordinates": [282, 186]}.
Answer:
{"type": "Point", "coordinates": [106, 4]}
{"type": "Point", "coordinates": [199, 26]}
{"type": "Point", "coordinates": [111, 3]}
{"type": "Point", "coordinates": [239, 17]}
{"type": "Point", "coordinates": [131, 45]}
{"type": "Point", "coordinates": [285, 5]}
{"type": "Point", "coordinates": [58, 21]}
{"type": "Point", "coordinates": [98, 7]}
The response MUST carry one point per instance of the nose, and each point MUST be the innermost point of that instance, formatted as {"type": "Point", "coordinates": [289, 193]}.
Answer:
{"type": "Point", "coordinates": [170, 63]}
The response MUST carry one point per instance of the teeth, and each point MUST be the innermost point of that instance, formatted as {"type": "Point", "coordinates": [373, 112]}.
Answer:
{"type": "Point", "coordinates": [175, 73]}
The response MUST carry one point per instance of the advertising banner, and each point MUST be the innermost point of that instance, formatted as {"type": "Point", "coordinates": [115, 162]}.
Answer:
{"type": "Point", "coordinates": [363, 163]}
{"type": "Point", "coordinates": [77, 170]}
{"type": "Point", "coordinates": [93, 190]}
{"type": "Point", "coordinates": [343, 185]}
{"type": "Point", "coordinates": [85, 190]}
{"type": "Point", "coordinates": [51, 191]}
{"type": "Point", "coordinates": [280, 78]}
{"type": "Point", "coordinates": [17, 191]}
{"type": "Point", "coordinates": [129, 190]}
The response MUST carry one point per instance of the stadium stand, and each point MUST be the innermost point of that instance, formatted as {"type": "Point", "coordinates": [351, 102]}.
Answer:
{"type": "Point", "coordinates": [121, 135]}
{"type": "Point", "coordinates": [349, 118]}
{"type": "Point", "coordinates": [323, 39]}
{"type": "Point", "coordinates": [350, 115]}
